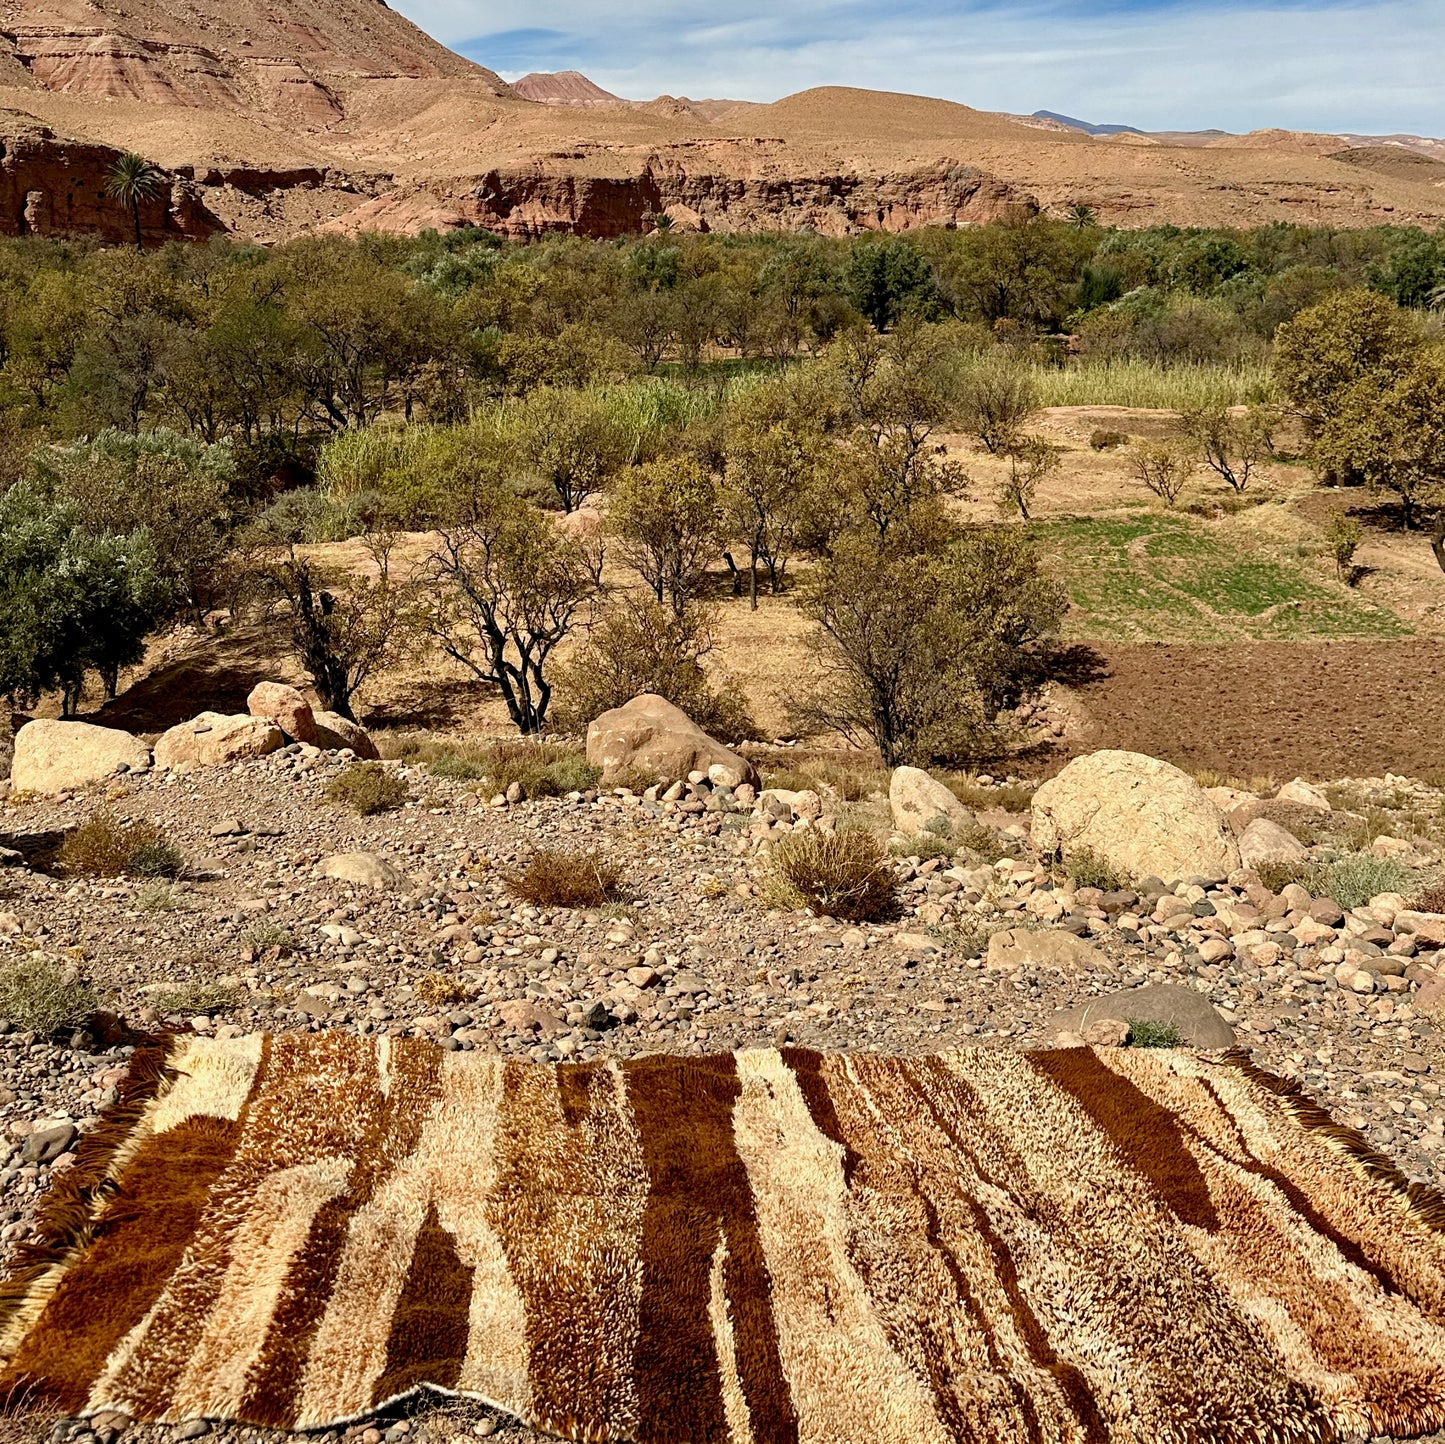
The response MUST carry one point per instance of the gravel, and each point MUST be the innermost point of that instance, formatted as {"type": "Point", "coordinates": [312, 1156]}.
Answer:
{"type": "Point", "coordinates": [692, 961]}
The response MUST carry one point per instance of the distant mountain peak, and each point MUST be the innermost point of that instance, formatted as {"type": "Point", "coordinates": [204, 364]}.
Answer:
{"type": "Point", "coordinates": [563, 87]}
{"type": "Point", "coordinates": [1087, 126]}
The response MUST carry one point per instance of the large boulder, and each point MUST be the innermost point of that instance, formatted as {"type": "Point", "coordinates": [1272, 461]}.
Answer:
{"type": "Point", "coordinates": [62, 756]}
{"type": "Point", "coordinates": [335, 732]}
{"type": "Point", "coordinates": [920, 803]}
{"type": "Point", "coordinates": [1142, 816]}
{"type": "Point", "coordinates": [648, 735]}
{"type": "Point", "coordinates": [364, 869]}
{"type": "Point", "coordinates": [1190, 1014]}
{"type": "Point", "coordinates": [1010, 949]}
{"type": "Point", "coordinates": [1266, 841]}
{"type": "Point", "coordinates": [286, 707]}
{"type": "Point", "coordinates": [214, 739]}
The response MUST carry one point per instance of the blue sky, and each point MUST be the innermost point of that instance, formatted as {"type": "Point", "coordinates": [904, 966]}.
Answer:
{"type": "Point", "coordinates": [1372, 65]}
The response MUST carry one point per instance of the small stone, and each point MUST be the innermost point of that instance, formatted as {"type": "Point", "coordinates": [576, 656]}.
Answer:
{"type": "Point", "coordinates": [1106, 1033]}
{"type": "Point", "coordinates": [46, 1144]}
{"type": "Point", "coordinates": [192, 1429]}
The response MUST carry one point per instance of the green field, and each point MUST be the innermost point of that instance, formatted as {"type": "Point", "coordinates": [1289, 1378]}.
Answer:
{"type": "Point", "coordinates": [1158, 578]}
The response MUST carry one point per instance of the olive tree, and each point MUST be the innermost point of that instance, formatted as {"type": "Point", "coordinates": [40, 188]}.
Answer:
{"type": "Point", "coordinates": [668, 525]}
{"type": "Point", "coordinates": [921, 649]}
{"type": "Point", "coordinates": [505, 585]}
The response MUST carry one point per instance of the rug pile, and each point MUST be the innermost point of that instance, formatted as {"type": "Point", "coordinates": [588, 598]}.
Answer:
{"type": "Point", "coordinates": [984, 1245]}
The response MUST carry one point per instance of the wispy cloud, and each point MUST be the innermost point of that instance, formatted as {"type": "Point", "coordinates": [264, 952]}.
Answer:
{"type": "Point", "coordinates": [1372, 65]}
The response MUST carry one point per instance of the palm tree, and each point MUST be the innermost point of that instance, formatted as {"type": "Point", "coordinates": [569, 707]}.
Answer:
{"type": "Point", "coordinates": [134, 179]}
{"type": "Point", "coordinates": [1081, 217]}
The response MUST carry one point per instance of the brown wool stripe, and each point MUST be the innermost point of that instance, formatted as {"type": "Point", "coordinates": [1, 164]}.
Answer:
{"type": "Point", "coordinates": [983, 1247]}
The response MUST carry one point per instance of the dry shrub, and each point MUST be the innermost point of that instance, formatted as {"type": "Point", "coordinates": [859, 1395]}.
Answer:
{"type": "Point", "coordinates": [561, 879]}
{"type": "Point", "coordinates": [843, 874]}
{"type": "Point", "coordinates": [437, 990]}
{"type": "Point", "coordinates": [189, 999]}
{"type": "Point", "coordinates": [1102, 440]}
{"type": "Point", "coordinates": [1430, 899]}
{"type": "Point", "coordinates": [37, 994]}
{"type": "Point", "coordinates": [1350, 881]}
{"type": "Point", "coordinates": [542, 769]}
{"type": "Point", "coordinates": [639, 646]}
{"type": "Point", "coordinates": [368, 788]}
{"type": "Point", "coordinates": [104, 846]}
{"type": "Point", "coordinates": [848, 781]}
{"type": "Point", "coordinates": [1015, 798]}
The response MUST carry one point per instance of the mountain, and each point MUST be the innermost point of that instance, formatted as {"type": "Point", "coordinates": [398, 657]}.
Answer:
{"type": "Point", "coordinates": [1088, 127]}
{"type": "Point", "coordinates": [563, 87]}
{"type": "Point", "coordinates": [276, 117]}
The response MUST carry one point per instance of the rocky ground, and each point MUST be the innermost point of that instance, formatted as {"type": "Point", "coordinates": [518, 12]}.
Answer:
{"type": "Point", "coordinates": [429, 940]}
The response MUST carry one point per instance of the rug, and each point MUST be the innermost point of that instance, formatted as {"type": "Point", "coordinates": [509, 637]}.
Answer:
{"type": "Point", "coordinates": [983, 1245]}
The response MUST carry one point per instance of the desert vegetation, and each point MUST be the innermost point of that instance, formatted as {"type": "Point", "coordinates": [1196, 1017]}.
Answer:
{"type": "Point", "coordinates": [555, 468]}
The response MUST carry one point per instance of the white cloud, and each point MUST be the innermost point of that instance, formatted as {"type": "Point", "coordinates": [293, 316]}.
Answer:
{"type": "Point", "coordinates": [1370, 66]}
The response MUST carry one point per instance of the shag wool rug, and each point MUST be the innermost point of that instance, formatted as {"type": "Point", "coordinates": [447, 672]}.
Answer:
{"type": "Point", "coordinates": [981, 1245]}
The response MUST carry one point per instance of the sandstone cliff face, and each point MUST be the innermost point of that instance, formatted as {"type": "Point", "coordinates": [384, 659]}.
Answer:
{"type": "Point", "coordinates": [50, 187]}
{"type": "Point", "coordinates": [530, 203]}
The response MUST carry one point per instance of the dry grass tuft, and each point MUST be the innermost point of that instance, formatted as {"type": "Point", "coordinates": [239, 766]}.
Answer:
{"type": "Point", "coordinates": [1012, 798]}
{"type": "Point", "coordinates": [190, 999]}
{"type": "Point", "coordinates": [38, 995]}
{"type": "Point", "coordinates": [437, 990]}
{"type": "Point", "coordinates": [104, 846]}
{"type": "Point", "coordinates": [1086, 868]}
{"type": "Point", "coordinates": [368, 788]}
{"type": "Point", "coordinates": [559, 879]}
{"type": "Point", "coordinates": [1430, 899]}
{"type": "Point", "coordinates": [541, 769]}
{"type": "Point", "coordinates": [843, 874]}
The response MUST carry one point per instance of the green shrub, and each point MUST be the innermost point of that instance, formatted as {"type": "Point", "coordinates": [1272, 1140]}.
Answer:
{"type": "Point", "coordinates": [368, 788]}
{"type": "Point", "coordinates": [843, 874]}
{"type": "Point", "coordinates": [542, 769]}
{"type": "Point", "coordinates": [984, 843]}
{"type": "Point", "coordinates": [104, 846]}
{"type": "Point", "coordinates": [1086, 868]}
{"type": "Point", "coordinates": [263, 936]}
{"type": "Point", "coordinates": [922, 845]}
{"type": "Point", "coordinates": [1351, 881]}
{"type": "Point", "coordinates": [1146, 1033]}
{"type": "Point", "coordinates": [191, 998]}
{"type": "Point", "coordinates": [38, 995]}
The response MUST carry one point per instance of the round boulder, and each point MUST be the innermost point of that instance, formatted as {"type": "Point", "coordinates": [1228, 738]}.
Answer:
{"type": "Point", "coordinates": [1189, 1014]}
{"type": "Point", "coordinates": [55, 757]}
{"type": "Point", "coordinates": [1140, 815]}
{"type": "Point", "coordinates": [214, 739]}
{"type": "Point", "coordinates": [286, 707]}
{"type": "Point", "coordinates": [649, 735]}
{"type": "Point", "coordinates": [1266, 841]}
{"type": "Point", "coordinates": [920, 803]}
{"type": "Point", "coordinates": [335, 732]}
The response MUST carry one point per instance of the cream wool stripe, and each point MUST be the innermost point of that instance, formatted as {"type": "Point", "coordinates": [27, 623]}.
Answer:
{"type": "Point", "coordinates": [848, 1382]}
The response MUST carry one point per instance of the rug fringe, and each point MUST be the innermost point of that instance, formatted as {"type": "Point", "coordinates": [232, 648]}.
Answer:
{"type": "Point", "coordinates": [1421, 1200]}
{"type": "Point", "coordinates": [69, 1218]}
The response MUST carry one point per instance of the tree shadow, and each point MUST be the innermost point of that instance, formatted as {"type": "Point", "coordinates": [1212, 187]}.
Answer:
{"type": "Point", "coordinates": [1076, 665]}
{"type": "Point", "coordinates": [431, 703]}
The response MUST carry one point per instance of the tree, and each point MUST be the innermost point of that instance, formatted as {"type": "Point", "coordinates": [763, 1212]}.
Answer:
{"type": "Point", "coordinates": [133, 179]}
{"type": "Point", "coordinates": [1231, 445]}
{"type": "Point", "coordinates": [343, 629]}
{"type": "Point", "coordinates": [1390, 432]}
{"type": "Point", "coordinates": [71, 600]}
{"type": "Point", "coordinates": [920, 650]}
{"type": "Point", "coordinates": [1162, 466]}
{"type": "Point", "coordinates": [1081, 217]}
{"type": "Point", "coordinates": [640, 645]}
{"type": "Point", "coordinates": [569, 439]}
{"type": "Point", "coordinates": [893, 396]}
{"type": "Point", "coordinates": [1343, 339]}
{"type": "Point", "coordinates": [176, 488]}
{"type": "Point", "coordinates": [775, 456]}
{"type": "Point", "coordinates": [505, 586]}
{"type": "Point", "coordinates": [668, 525]}
{"type": "Point", "coordinates": [887, 279]}
{"type": "Point", "coordinates": [997, 401]}
{"type": "Point", "coordinates": [1030, 460]}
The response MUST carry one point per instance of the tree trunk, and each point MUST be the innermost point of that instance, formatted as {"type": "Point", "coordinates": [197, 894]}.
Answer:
{"type": "Point", "coordinates": [135, 216]}
{"type": "Point", "coordinates": [1437, 540]}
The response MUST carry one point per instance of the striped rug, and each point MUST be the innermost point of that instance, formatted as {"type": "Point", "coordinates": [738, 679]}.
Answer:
{"type": "Point", "coordinates": [982, 1245]}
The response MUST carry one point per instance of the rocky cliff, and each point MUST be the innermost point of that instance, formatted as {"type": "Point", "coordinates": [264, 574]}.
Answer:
{"type": "Point", "coordinates": [53, 187]}
{"type": "Point", "coordinates": [530, 202]}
